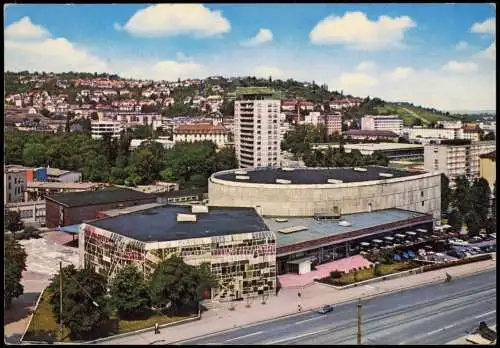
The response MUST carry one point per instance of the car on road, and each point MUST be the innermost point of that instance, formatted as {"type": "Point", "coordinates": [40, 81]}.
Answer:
{"type": "Point", "coordinates": [325, 309]}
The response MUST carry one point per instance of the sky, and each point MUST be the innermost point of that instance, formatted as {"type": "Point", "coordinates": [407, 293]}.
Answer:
{"type": "Point", "coordinates": [435, 55]}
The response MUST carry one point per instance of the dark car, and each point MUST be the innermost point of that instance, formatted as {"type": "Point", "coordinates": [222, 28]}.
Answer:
{"type": "Point", "coordinates": [325, 309]}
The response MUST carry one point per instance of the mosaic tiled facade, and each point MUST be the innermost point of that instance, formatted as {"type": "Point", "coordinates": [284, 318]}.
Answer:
{"type": "Point", "coordinates": [244, 264]}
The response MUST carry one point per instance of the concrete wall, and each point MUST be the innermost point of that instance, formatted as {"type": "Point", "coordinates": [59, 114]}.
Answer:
{"type": "Point", "coordinates": [305, 200]}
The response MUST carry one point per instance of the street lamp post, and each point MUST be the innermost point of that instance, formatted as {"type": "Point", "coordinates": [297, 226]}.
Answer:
{"type": "Point", "coordinates": [359, 323]}
{"type": "Point", "coordinates": [60, 300]}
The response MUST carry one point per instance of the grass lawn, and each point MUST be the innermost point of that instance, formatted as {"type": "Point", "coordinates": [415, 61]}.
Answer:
{"type": "Point", "coordinates": [367, 274]}
{"type": "Point", "coordinates": [44, 322]}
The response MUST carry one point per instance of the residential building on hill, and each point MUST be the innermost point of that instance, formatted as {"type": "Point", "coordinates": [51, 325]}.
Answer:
{"type": "Point", "coordinates": [191, 133]}
{"type": "Point", "coordinates": [257, 127]}
{"type": "Point", "coordinates": [99, 128]}
{"type": "Point", "coordinates": [388, 123]}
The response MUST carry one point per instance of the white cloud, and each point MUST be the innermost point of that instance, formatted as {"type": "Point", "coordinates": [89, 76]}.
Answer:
{"type": "Point", "coordinates": [117, 26]}
{"type": "Point", "coordinates": [462, 45]}
{"type": "Point", "coordinates": [266, 71]}
{"type": "Point", "coordinates": [25, 30]}
{"type": "Point", "coordinates": [355, 30]}
{"type": "Point", "coordinates": [486, 27]}
{"type": "Point", "coordinates": [43, 53]}
{"type": "Point", "coordinates": [366, 66]}
{"type": "Point", "coordinates": [177, 19]}
{"type": "Point", "coordinates": [169, 70]}
{"type": "Point", "coordinates": [400, 73]}
{"type": "Point", "coordinates": [357, 79]}
{"type": "Point", "coordinates": [54, 55]}
{"type": "Point", "coordinates": [489, 53]}
{"type": "Point", "coordinates": [427, 87]}
{"type": "Point", "coordinates": [262, 36]}
{"type": "Point", "coordinates": [461, 67]}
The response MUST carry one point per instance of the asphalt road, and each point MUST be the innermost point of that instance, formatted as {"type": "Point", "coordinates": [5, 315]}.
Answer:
{"type": "Point", "coordinates": [434, 314]}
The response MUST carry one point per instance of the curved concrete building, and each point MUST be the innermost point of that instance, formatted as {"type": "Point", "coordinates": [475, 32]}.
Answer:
{"type": "Point", "coordinates": [309, 191]}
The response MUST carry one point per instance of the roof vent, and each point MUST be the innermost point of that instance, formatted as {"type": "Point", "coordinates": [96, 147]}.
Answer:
{"type": "Point", "coordinates": [287, 169]}
{"type": "Point", "coordinates": [334, 181]}
{"type": "Point", "coordinates": [283, 181]}
{"type": "Point", "coordinates": [199, 209]}
{"type": "Point", "coordinates": [242, 177]}
{"type": "Point", "coordinates": [293, 229]}
{"type": "Point", "coordinates": [186, 218]}
{"type": "Point", "coordinates": [344, 223]}
{"type": "Point", "coordinates": [240, 172]}
{"type": "Point", "coordinates": [358, 169]}
{"type": "Point", "coordinates": [281, 220]}
{"type": "Point", "coordinates": [386, 175]}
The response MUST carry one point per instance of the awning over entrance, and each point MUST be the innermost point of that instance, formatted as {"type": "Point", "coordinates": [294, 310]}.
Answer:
{"type": "Point", "coordinates": [73, 229]}
{"type": "Point", "coordinates": [301, 260]}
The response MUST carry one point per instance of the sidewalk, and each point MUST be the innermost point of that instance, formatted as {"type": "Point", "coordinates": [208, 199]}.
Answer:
{"type": "Point", "coordinates": [221, 318]}
{"type": "Point", "coordinates": [462, 340]}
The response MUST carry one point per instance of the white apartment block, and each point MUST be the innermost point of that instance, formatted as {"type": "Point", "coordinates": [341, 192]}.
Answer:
{"type": "Point", "coordinates": [257, 127]}
{"type": "Point", "coordinates": [389, 123]}
{"type": "Point", "coordinates": [333, 123]}
{"type": "Point", "coordinates": [191, 133]}
{"type": "Point", "coordinates": [456, 160]}
{"type": "Point", "coordinates": [98, 128]}
{"type": "Point", "coordinates": [450, 124]}
{"type": "Point", "coordinates": [14, 183]}
{"type": "Point", "coordinates": [434, 133]}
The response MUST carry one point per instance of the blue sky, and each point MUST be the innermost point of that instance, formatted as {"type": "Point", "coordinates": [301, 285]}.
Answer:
{"type": "Point", "coordinates": [431, 54]}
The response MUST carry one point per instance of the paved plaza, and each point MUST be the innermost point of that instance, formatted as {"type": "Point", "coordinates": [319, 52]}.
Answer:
{"type": "Point", "coordinates": [42, 263]}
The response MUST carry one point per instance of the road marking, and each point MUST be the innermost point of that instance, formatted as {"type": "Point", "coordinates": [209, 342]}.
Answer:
{"type": "Point", "coordinates": [433, 332]}
{"type": "Point", "coordinates": [298, 336]}
{"type": "Point", "coordinates": [306, 320]}
{"type": "Point", "coordinates": [485, 314]}
{"type": "Point", "coordinates": [244, 336]}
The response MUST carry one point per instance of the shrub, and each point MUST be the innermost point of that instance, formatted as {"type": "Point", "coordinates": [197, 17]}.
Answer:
{"type": "Point", "coordinates": [336, 274]}
{"type": "Point", "coordinates": [377, 272]}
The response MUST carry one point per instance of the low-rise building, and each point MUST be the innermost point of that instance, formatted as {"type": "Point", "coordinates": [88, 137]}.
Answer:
{"type": "Point", "coordinates": [167, 144]}
{"type": "Point", "coordinates": [14, 183]}
{"type": "Point", "coordinates": [37, 190]}
{"type": "Point", "coordinates": [378, 122]}
{"type": "Point", "coordinates": [487, 167]}
{"type": "Point", "coordinates": [190, 133]}
{"type": "Point", "coordinates": [371, 135]}
{"type": "Point", "coordinates": [99, 128]}
{"type": "Point", "coordinates": [30, 212]}
{"type": "Point", "coordinates": [58, 175]}
{"type": "Point", "coordinates": [434, 133]}
{"type": "Point", "coordinates": [235, 242]}
{"type": "Point", "coordinates": [71, 208]}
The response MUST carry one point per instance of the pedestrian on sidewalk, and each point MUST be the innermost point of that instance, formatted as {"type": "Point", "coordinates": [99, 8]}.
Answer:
{"type": "Point", "coordinates": [300, 308]}
{"type": "Point", "coordinates": [299, 294]}
{"type": "Point", "coordinates": [157, 329]}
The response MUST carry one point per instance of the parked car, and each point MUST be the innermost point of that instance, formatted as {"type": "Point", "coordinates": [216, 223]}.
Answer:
{"type": "Point", "coordinates": [475, 239]}
{"type": "Point", "coordinates": [325, 309]}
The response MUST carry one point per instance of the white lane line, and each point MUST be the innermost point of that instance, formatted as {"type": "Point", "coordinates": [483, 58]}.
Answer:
{"type": "Point", "coordinates": [484, 314]}
{"type": "Point", "coordinates": [298, 336]}
{"type": "Point", "coordinates": [244, 336]}
{"type": "Point", "coordinates": [306, 320]}
{"type": "Point", "coordinates": [433, 332]}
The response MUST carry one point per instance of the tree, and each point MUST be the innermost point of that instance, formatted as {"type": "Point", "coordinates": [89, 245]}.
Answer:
{"type": "Point", "coordinates": [85, 306]}
{"type": "Point", "coordinates": [480, 196]}
{"type": "Point", "coordinates": [14, 264]}
{"type": "Point", "coordinates": [455, 220]}
{"type": "Point", "coordinates": [445, 193]}
{"type": "Point", "coordinates": [14, 222]}
{"type": "Point", "coordinates": [417, 122]}
{"type": "Point", "coordinates": [173, 283]}
{"type": "Point", "coordinates": [474, 223]}
{"type": "Point", "coordinates": [129, 292]}
{"type": "Point", "coordinates": [461, 196]}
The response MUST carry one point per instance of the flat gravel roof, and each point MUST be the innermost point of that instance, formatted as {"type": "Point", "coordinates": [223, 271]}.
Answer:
{"type": "Point", "coordinates": [160, 224]}
{"type": "Point", "coordinates": [317, 229]}
{"type": "Point", "coordinates": [314, 175]}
